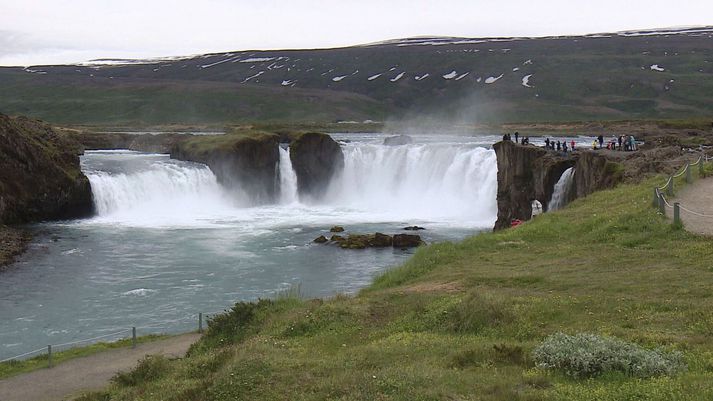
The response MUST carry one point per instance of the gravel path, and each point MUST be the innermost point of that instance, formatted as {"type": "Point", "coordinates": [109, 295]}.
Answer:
{"type": "Point", "coordinates": [697, 197]}
{"type": "Point", "coordinates": [71, 378]}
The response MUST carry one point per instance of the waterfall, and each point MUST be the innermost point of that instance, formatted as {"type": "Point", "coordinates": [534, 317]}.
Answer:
{"type": "Point", "coordinates": [450, 182]}
{"type": "Point", "coordinates": [562, 190]}
{"type": "Point", "coordinates": [158, 190]}
{"type": "Point", "coordinates": [288, 178]}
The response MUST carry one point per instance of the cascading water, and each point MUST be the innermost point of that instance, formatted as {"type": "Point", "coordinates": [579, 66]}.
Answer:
{"type": "Point", "coordinates": [562, 190]}
{"type": "Point", "coordinates": [161, 191]}
{"type": "Point", "coordinates": [288, 178]}
{"type": "Point", "coordinates": [449, 182]}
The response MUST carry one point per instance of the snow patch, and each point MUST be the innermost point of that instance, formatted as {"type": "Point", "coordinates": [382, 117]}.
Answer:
{"type": "Point", "coordinates": [516, 69]}
{"type": "Point", "coordinates": [526, 81]}
{"type": "Point", "coordinates": [339, 78]}
{"type": "Point", "coordinates": [287, 82]}
{"type": "Point", "coordinates": [373, 77]}
{"type": "Point", "coordinates": [253, 76]}
{"type": "Point", "coordinates": [396, 78]}
{"type": "Point", "coordinates": [492, 80]}
{"type": "Point", "coordinates": [450, 75]}
{"type": "Point", "coordinates": [257, 59]}
{"type": "Point", "coordinates": [422, 77]}
{"type": "Point", "coordinates": [528, 61]}
{"type": "Point", "coordinates": [461, 76]}
{"type": "Point", "coordinates": [656, 67]}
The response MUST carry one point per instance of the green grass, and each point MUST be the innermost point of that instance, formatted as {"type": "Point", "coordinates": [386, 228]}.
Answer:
{"type": "Point", "coordinates": [460, 320]}
{"type": "Point", "coordinates": [12, 368]}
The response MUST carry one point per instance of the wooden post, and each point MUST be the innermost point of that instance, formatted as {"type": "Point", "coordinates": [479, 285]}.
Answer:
{"type": "Point", "coordinates": [133, 337]}
{"type": "Point", "coordinates": [689, 178]}
{"type": "Point", "coordinates": [700, 167]}
{"type": "Point", "coordinates": [662, 205]}
{"type": "Point", "coordinates": [676, 213]}
{"type": "Point", "coordinates": [655, 202]}
{"type": "Point", "coordinates": [200, 322]}
{"type": "Point", "coordinates": [49, 356]}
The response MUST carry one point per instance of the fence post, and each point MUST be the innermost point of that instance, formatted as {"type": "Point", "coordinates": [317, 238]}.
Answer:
{"type": "Point", "coordinates": [689, 178]}
{"type": "Point", "coordinates": [669, 187]}
{"type": "Point", "coordinates": [133, 337]}
{"type": "Point", "coordinates": [700, 166]}
{"type": "Point", "coordinates": [676, 213]}
{"type": "Point", "coordinates": [49, 356]}
{"type": "Point", "coordinates": [655, 202]}
{"type": "Point", "coordinates": [662, 205]}
{"type": "Point", "coordinates": [200, 322]}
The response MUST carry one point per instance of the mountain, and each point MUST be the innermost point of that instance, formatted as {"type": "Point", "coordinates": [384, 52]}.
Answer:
{"type": "Point", "coordinates": [665, 73]}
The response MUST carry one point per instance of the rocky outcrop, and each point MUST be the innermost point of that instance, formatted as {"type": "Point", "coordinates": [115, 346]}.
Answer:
{"type": "Point", "coordinates": [247, 162]}
{"type": "Point", "coordinates": [528, 173]}
{"type": "Point", "coordinates": [376, 240]}
{"type": "Point", "coordinates": [40, 176]}
{"type": "Point", "coordinates": [150, 143]}
{"type": "Point", "coordinates": [316, 158]}
{"type": "Point", "coordinates": [525, 173]}
{"type": "Point", "coordinates": [13, 242]}
{"type": "Point", "coordinates": [398, 140]}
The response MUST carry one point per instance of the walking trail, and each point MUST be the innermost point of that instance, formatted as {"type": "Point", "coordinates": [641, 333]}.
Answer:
{"type": "Point", "coordinates": [696, 206]}
{"type": "Point", "coordinates": [71, 378]}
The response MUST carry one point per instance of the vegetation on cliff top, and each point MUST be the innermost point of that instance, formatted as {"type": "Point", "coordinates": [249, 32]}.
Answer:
{"type": "Point", "coordinates": [460, 320]}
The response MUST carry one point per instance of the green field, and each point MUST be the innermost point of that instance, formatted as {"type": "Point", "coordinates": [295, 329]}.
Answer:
{"type": "Point", "coordinates": [460, 320]}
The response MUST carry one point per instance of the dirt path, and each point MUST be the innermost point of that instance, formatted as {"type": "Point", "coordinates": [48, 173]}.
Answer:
{"type": "Point", "coordinates": [697, 198]}
{"type": "Point", "coordinates": [71, 378]}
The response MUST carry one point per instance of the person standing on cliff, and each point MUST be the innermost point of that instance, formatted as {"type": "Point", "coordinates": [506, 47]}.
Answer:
{"type": "Point", "coordinates": [547, 143]}
{"type": "Point", "coordinates": [621, 138]}
{"type": "Point", "coordinates": [600, 138]}
{"type": "Point", "coordinates": [517, 134]}
{"type": "Point", "coordinates": [572, 147]}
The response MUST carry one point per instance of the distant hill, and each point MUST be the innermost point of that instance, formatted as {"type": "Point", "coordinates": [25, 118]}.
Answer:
{"type": "Point", "coordinates": [664, 73]}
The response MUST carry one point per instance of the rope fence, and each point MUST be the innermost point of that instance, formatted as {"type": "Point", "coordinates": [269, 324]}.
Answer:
{"type": "Point", "coordinates": [667, 189]}
{"type": "Point", "coordinates": [115, 336]}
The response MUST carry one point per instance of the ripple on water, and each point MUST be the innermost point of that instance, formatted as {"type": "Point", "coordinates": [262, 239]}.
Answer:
{"type": "Point", "coordinates": [139, 292]}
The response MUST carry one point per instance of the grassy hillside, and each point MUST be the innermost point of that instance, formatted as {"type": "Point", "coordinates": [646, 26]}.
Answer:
{"type": "Point", "coordinates": [460, 321]}
{"type": "Point", "coordinates": [614, 76]}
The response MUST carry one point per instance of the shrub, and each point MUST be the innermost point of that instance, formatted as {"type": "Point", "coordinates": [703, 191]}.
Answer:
{"type": "Point", "coordinates": [149, 368]}
{"type": "Point", "coordinates": [477, 312]}
{"type": "Point", "coordinates": [588, 355]}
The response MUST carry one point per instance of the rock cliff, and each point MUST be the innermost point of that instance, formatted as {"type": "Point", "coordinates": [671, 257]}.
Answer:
{"type": "Point", "coordinates": [527, 173]}
{"type": "Point", "coordinates": [40, 176]}
{"type": "Point", "coordinates": [246, 161]}
{"type": "Point", "coordinates": [315, 157]}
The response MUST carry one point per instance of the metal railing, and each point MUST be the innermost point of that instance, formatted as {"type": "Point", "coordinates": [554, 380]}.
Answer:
{"type": "Point", "coordinates": [660, 193]}
{"type": "Point", "coordinates": [119, 335]}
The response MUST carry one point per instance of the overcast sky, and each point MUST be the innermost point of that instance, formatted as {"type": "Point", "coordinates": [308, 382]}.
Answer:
{"type": "Point", "coordinates": [64, 31]}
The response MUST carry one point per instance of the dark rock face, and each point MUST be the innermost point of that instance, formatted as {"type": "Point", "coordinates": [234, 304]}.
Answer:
{"type": "Point", "coordinates": [376, 240]}
{"type": "Point", "coordinates": [336, 229]}
{"type": "Point", "coordinates": [413, 228]}
{"type": "Point", "coordinates": [13, 242]}
{"type": "Point", "coordinates": [398, 140]}
{"type": "Point", "coordinates": [527, 173]}
{"type": "Point", "coordinates": [316, 158]}
{"type": "Point", "coordinates": [320, 240]}
{"type": "Point", "coordinates": [40, 176]}
{"type": "Point", "coordinates": [243, 162]}
{"type": "Point", "coordinates": [407, 241]}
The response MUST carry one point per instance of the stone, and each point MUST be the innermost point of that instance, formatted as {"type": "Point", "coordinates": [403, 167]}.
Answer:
{"type": "Point", "coordinates": [403, 241]}
{"type": "Point", "coordinates": [413, 228]}
{"type": "Point", "coordinates": [336, 229]}
{"type": "Point", "coordinates": [379, 240]}
{"type": "Point", "coordinates": [320, 240]}
{"type": "Point", "coordinates": [316, 158]}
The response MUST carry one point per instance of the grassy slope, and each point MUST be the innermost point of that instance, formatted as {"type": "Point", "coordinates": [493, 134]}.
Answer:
{"type": "Point", "coordinates": [458, 321]}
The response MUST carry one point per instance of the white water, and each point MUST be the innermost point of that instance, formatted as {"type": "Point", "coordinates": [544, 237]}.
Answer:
{"type": "Point", "coordinates": [442, 182]}
{"type": "Point", "coordinates": [562, 188]}
{"type": "Point", "coordinates": [288, 179]}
